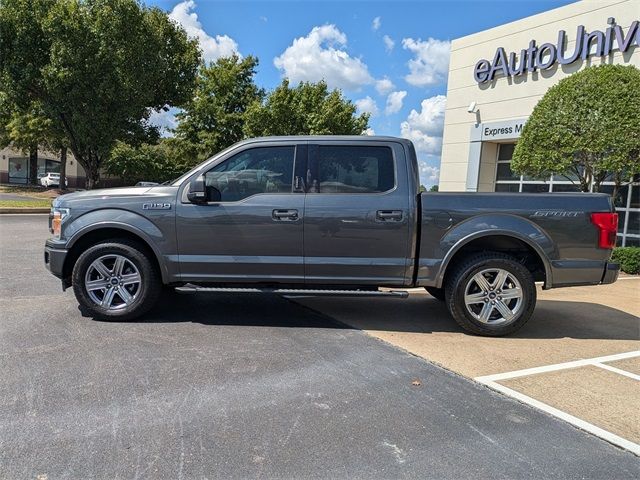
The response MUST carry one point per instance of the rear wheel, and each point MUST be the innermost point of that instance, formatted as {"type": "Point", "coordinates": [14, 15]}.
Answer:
{"type": "Point", "coordinates": [116, 281]}
{"type": "Point", "coordinates": [490, 294]}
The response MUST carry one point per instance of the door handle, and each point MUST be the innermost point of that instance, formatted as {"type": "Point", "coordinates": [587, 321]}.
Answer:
{"type": "Point", "coordinates": [389, 215]}
{"type": "Point", "coordinates": [285, 215]}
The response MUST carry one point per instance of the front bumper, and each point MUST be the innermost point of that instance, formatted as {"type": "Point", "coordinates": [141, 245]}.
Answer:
{"type": "Point", "coordinates": [611, 271]}
{"type": "Point", "coordinates": [54, 256]}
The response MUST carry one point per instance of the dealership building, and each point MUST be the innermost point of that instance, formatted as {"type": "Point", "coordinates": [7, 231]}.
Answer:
{"type": "Point", "coordinates": [497, 76]}
{"type": "Point", "coordinates": [15, 167]}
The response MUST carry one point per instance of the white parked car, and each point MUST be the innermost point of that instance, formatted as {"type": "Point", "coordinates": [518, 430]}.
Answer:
{"type": "Point", "coordinates": [51, 179]}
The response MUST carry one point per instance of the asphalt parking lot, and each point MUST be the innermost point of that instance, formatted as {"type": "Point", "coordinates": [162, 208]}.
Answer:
{"type": "Point", "coordinates": [567, 356]}
{"type": "Point", "coordinates": [226, 386]}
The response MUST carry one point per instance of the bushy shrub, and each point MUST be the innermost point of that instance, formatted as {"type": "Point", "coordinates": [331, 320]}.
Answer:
{"type": "Point", "coordinates": [628, 258]}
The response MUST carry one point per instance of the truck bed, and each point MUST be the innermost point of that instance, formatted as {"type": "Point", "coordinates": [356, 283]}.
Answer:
{"type": "Point", "coordinates": [556, 227]}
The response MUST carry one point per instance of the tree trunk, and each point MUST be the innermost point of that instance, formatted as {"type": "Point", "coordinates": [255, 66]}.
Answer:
{"type": "Point", "coordinates": [93, 175]}
{"type": "Point", "coordinates": [63, 167]}
{"type": "Point", "coordinates": [91, 164]}
{"type": "Point", "coordinates": [33, 165]}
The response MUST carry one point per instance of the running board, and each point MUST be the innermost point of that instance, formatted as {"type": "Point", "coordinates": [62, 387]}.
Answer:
{"type": "Point", "coordinates": [294, 292]}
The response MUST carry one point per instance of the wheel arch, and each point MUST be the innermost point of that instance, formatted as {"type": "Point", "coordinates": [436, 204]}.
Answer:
{"type": "Point", "coordinates": [530, 253]}
{"type": "Point", "coordinates": [90, 236]}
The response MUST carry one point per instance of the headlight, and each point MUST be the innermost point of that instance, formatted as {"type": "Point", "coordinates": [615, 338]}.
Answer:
{"type": "Point", "coordinates": [56, 217]}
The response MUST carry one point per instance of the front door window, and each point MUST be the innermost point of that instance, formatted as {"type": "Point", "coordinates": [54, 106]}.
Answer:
{"type": "Point", "coordinates": [252, 172]}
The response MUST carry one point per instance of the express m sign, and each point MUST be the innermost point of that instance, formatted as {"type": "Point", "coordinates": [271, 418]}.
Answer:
{"type": "Point", "coordinates": [596, 43]}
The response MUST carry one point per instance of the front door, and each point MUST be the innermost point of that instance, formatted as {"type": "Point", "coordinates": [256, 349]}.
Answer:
{"type": "Point", "coordinates": [254, 232]}
{"type": "Point", "coordinates": [357, 215]}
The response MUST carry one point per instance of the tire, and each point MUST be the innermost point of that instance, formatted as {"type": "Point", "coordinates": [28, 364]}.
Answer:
{"type": "Point", "coordinates": [486, 311]}
{"type": "Point", "coordinates": [437, 293]}
{"type": "Point", "coordinates": [116, 280]}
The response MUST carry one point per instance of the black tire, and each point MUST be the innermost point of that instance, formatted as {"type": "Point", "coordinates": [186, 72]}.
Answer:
{"type": "Point", "coordinates": [461, 278]}
{"type": "Point", "coordinates": [437, 293]}
{"type": "Point", "coordinates": [145, 294]}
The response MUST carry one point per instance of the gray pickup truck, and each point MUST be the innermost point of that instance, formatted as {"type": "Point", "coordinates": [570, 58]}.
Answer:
{"type": "Point", "coordinates": [327, 215]}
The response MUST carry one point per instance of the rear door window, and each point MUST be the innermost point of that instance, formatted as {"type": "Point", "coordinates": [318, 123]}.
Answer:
{"type": "Point", "coordinates": [353, 169]}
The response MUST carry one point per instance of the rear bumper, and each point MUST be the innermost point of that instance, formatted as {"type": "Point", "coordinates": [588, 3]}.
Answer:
{"type": "Point", "coordinates": [54, 256]}
{"type": "Point", "coordinates": [573, 273]}
{"type": "Point", "coordinates": [611, 271]}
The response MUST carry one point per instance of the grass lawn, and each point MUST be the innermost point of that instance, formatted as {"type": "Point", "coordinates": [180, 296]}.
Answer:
{"type": "Point", "coordinates": [31, 192]}
{"type": "Point", "coordinates": [44, 203]}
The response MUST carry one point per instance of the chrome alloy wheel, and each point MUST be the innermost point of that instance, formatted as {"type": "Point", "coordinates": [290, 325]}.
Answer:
{"type": "Point", "coordinates": [112, 282]}
{"type": "Point", "coordinates": [493, 296]}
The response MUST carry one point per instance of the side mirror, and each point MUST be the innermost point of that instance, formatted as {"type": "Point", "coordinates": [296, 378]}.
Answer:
{"type": "Point", "coordinates": [197, 192]}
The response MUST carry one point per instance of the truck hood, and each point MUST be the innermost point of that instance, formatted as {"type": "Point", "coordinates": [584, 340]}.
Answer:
{"type": "Point", "coordinates": [103, 193]}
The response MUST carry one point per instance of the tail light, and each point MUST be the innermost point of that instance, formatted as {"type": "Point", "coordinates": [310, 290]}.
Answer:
{"type": "Point", "coordinates": [607, 224]}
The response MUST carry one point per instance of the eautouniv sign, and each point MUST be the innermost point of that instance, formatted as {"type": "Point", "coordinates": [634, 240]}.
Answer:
{"type": "Point", "coordinates": [596, 43]}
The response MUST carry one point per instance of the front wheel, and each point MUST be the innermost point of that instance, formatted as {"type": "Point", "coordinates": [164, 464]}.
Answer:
{"type": "Point", "coordinates": [490, 294]}
{"type": "Point", "coordinates": [116, 281]}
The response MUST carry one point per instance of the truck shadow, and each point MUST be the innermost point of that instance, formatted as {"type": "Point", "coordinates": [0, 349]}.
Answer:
{"type": "Point", "coordinates": [424, 314]}
{"type": "Point", "coordinates": [418, 314]}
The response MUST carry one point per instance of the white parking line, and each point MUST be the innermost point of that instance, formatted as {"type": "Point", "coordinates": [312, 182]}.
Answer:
{"type": "Point", "coordinates": [618, 371]}
{"type": "Point", "coordinates": [558, 366]}
{"type": "Point", "coordinates": [491, 382]}
{"type": "Point", "coordinates": [578, 422]}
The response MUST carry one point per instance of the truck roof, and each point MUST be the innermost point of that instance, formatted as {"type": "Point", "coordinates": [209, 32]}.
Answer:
{"type": "Point", "coordinates": [349, 138]}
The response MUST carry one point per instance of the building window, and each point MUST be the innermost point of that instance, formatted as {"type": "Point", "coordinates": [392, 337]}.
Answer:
{"type": "Point", "coordinates": [19, 169]}
{"type": "Point", "coordinates": [627, 201]}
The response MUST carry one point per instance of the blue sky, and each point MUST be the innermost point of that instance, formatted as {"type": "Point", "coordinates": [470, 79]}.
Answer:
{"type": "Point", "coordinates": [391, 58]}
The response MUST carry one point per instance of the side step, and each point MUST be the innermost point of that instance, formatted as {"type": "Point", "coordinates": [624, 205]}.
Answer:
{"type": "Point", "coordinates": [295, 292]}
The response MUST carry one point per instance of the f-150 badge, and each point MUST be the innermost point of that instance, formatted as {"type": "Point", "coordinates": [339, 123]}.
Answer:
{"type": "Point", "coordinates": [156, 206]}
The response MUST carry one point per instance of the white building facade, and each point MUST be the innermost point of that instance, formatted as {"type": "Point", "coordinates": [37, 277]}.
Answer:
{"type": "Point", "coordinates": [496, 77]}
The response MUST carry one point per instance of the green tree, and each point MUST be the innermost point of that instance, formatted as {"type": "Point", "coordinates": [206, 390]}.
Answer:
{"type": "Point", "coordinates": [214, 118]}
{"type": "Point", "coordinates": [154, 163]}
{"type": "Point", "coordinates": [27, 131]}
{"type": "Point", "coordinates": [98, 68]}
{"type": "Point", "coordinates": [24, 130]}
{"type": "Point", "coordinates": [308, 109]}
{"type": "Point", "coordinates": [434, 188]}
{"type": "Point", "coordinates": [586, 127]}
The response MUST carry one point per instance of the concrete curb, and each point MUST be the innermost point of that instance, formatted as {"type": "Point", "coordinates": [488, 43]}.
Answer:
{"type": "Point", "coordinates": [5, 210]}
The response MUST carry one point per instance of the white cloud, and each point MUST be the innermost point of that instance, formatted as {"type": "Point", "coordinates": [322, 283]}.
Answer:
{"type": "Point", "coordinates": [212, 48]}
{"type": "Point", "coordinates": [321, 55]}
{"type": "Point", "coordinates": [388, 43]}
{"type": "Point", "coordinates": [165, 120]}
{"type": "Point", "coordinates": [394, 102]}
{"type": "Point", "coordinates": [428, 175]}
{"type": "Point", "coordinates": [367, 105]}
{"type": "Point", "coordinates": [369, 131]}
{"type": "Point", "coordinates": [424, 128]}
{"type": "Point", "coordinates": [430, 63]}
{"type": "Point", "coordinates": [384, 86]}
{"type": "Point", "coordinates": [377, 22]}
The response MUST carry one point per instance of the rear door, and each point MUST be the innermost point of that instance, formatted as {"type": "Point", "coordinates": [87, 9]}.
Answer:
{"type": "Point", "coordinates": [356, 215]}
{"type": "Point", "coordinates": [254, 232]}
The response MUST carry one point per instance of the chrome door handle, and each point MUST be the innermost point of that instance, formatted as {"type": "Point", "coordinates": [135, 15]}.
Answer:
{"type": "Point", "coordinates": [389, 215]}
{"type": "Point", "coordinates": [285, 214]}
